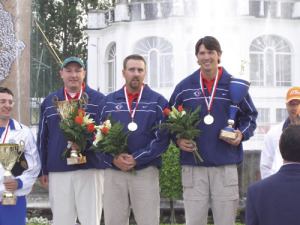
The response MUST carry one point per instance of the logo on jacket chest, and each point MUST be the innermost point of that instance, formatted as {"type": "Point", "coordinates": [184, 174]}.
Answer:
{"type": "Point", "coordinates": [197, 93]}
{"type": "Point", "coordinates": [118, 107]}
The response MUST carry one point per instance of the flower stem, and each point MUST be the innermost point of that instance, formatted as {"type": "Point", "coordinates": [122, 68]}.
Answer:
{"type": "Point", "coordinates": [195, 153]}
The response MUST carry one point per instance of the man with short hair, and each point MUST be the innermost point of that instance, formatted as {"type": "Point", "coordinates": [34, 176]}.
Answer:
{"type": "Point", "coordinates": [75, 190]}
{"type": "Point", "coordinates": [271, 159]}
{"type": "Point", "coordinates": [139, 108]}
{"type": "Point", "coordinates": [24, 178]}
{"type": "Point", "coordinates": [275, 200]}
{"type": "Point", "coordinates": [213, 182]}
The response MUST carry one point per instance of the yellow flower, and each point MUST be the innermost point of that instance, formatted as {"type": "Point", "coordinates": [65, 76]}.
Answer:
{"type": "Point", "coordinates": [98, 138]}
{"type": "Point", "coordinates": [87, 120]}
{"type": "Point", "coordinates": [175, 113]}
{"type": "Point", "coordinates": [107, 124]}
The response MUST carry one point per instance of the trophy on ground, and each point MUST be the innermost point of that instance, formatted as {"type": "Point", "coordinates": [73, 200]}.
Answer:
{"type": "Point", "coordinates": [238, 89]}
{"type": "Point", "coordinates": [64, 110]}
{"type": "Point", "coordinates": [8, 157]}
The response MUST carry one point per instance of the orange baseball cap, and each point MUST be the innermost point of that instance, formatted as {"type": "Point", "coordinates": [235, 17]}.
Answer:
{"type": "Point", "coordinates": [293, 93]}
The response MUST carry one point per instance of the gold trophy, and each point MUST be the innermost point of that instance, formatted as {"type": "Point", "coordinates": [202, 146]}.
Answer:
{"type": "Point", "coordinates": [64, 109]}
{"type": "Point", "coordinates": [238, 89]}
{"type": "Point", "coordinates": [8, 157]}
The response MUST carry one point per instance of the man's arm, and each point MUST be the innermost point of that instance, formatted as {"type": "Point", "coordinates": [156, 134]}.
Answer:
{"type": "Point", "coordinates": [29, 176]}
{"type": "Point", "coordinates": [42, 140]}
{"type": "Point", "coordinates": [246, 118]}
{"type": "Point", "coordinates": [267, 156]}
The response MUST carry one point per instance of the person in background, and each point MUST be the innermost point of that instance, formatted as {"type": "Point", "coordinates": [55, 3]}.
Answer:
{"type": "Point", "coordinates": [213, 182]}
{"type": "Point", "coordinates": [275, 200]}
{"type": "Point", "coordinates": [74, 190]}
{"type": "Point", "coordinates": [271, 159]}
{"type": "Point", "coordinates": [11, 131]}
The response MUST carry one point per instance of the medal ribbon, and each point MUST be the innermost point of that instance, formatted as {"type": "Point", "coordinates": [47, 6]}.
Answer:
{"type": "Point", "coordinates": [7, 126]}
{"type": "Point", "coordinates": [66, 96]}
{"type": "Point", "coordinates": [137, 101]}
{"type": "Point", "coordinates": [209, 104]}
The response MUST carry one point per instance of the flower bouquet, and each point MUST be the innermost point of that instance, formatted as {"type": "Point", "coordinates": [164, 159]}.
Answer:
{"type": "Point", "coordinates": [183, 124]}
{"type": "Point", "coordinates": [110, 138]}
{"type": "Point", "coordinates": [77, 128]}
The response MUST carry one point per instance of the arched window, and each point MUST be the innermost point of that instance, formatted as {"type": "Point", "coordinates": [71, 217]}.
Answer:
{"type": "Point", "coordinates": [158, 54]}
{"type": "Point", "coordinates": [192, 64]}
{"type": "Point", "coordinates": [111, 69]}
{"type": "Point", "coordinates": [270, 61]}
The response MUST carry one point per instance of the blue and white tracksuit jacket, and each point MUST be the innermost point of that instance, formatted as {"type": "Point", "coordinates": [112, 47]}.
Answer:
{"type": "Point", "coordinates": [51, 142]}
{"type": "Point", "coordinates": [17, 132]}
{"type": "Point", "coordinates": [214, 151]}
{"type": "Point", "coordinates": [145, 145]}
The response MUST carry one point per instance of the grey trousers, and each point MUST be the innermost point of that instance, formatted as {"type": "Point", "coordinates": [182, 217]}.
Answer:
{"type": "Point", "coordinates": [141, 191]}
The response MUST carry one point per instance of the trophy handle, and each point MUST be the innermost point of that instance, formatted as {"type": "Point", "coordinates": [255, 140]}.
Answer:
{"type": "Point", "coordinates": [22, 147]}
{"type": "Point", "coordinates": [55, 105]}
{"type": "Point", "coordinates": [84, 101]}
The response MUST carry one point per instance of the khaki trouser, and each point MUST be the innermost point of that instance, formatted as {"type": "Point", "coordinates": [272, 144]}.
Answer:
{"type": "Point", "coordinates": [141, 190]}
{"type": "Point", "coordinates": [210, 186]}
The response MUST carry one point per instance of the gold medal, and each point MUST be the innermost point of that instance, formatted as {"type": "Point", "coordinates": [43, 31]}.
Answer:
{"type": "Point", "coordinates": [208, 119]}
{"type": "Point", "coordinates": [132, 126]}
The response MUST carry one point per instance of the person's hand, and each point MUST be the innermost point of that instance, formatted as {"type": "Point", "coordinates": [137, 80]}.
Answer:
{"type": "Point", "coordinates": [185, 145]}
{"type": "Point", "coordinates": [237, 140]}
{"type": "Point", "coordinates": [132, 160]}
{"type": "Point", "coordinates": [11, 185]}
{"type": "Point", "coordinates": [44, 180]}
{"type": "Point", "coordinates": [124, 162]}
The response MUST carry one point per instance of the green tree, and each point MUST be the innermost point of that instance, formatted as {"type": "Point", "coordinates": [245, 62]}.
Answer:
{"type": "Point", "coordinates": [63, 23]}
{"type": "Point", "coordinates": [170, 177]}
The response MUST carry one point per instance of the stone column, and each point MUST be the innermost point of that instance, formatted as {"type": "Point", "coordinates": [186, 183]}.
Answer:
{"type": "Point", "coordinates": [15, 54]}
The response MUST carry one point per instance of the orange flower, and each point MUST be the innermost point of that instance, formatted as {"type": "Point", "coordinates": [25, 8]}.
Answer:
{"type": "Point", "coordinates": [81, 111]}
{"type": "Point", "coordinates": [166, 111]}
{"type": "Point", "coordinates": [104, 130]}
{"type": "Point", "coordinates": [79, 119]}
{"type": "Point", "coordinates": [180, 108]}
{"type": "Point", "coordinates": [91, 127]}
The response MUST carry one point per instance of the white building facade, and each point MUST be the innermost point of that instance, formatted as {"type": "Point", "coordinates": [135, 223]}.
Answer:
{"type": "Point", "coordinates": [264, 34]}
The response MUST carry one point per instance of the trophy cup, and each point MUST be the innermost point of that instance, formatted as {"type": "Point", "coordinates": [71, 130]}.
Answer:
{"type": "Point", "coordinates": [8, 157]}
{"type": "Point", "coordinates": [64, 109]}
{"type": "Point", "coordinates": [238, 89]}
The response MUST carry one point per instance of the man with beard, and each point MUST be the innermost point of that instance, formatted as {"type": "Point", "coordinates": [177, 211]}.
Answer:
{"type": "Point", "coordinates": [139, 108]}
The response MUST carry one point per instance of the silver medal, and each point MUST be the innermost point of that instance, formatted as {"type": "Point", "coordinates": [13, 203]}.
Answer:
{"type": "Point", "coordinates": [132, 126]}
{"type": "Point", "coordinates": [208, 119]}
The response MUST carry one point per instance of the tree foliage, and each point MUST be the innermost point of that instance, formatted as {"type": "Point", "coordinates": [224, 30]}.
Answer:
{"type": "Point", "coordinates": [63, 22]}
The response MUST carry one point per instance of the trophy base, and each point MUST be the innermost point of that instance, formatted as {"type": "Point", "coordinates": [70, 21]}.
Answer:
{"type": "Point", "coordinates": [76, 160]}
{"type": "Point", "coordinates": [227, 134]}
{"type": "Point", "coordinates": [9, 201]}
